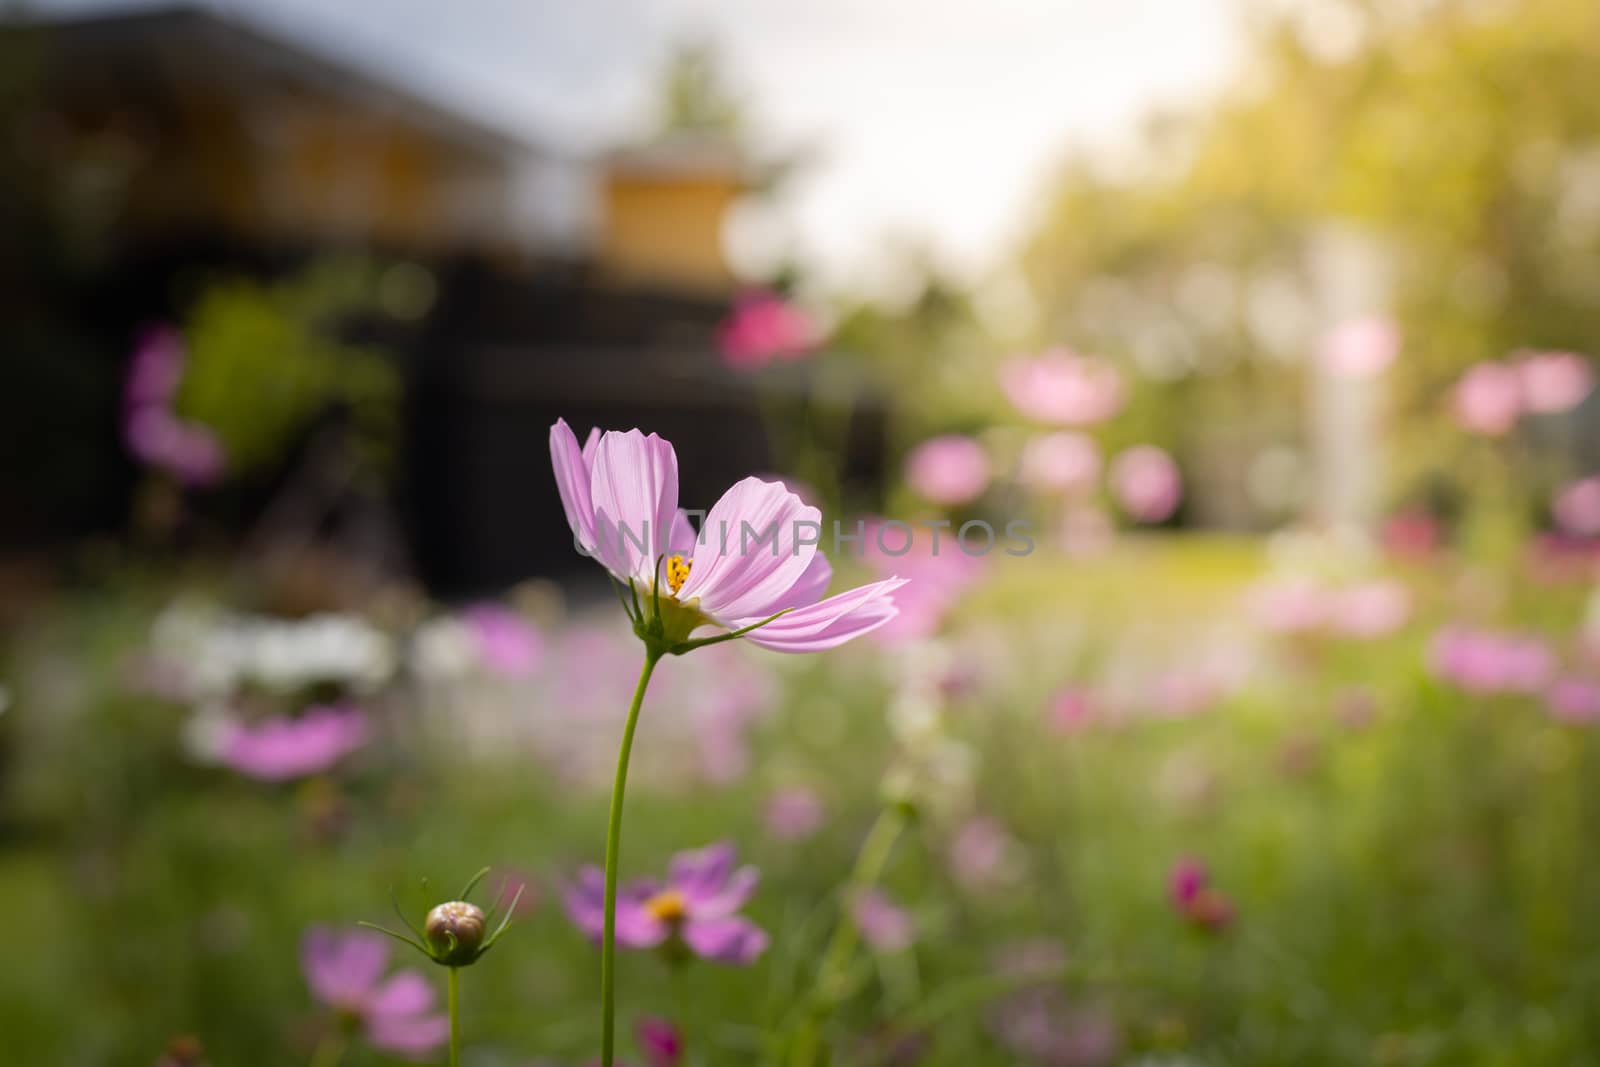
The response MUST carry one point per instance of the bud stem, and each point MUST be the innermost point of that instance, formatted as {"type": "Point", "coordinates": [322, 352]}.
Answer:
{"type": "Point", "coordinates": [455, 1016]}
{"type": "Point", "coordinates": [608, 944]}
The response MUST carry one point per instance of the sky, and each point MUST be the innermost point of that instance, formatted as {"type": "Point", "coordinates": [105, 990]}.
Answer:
{"type": "Point", "coordinates": [934, 122]}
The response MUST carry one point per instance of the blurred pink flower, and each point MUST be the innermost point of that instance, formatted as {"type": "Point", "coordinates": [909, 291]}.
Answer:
{"type": "Point", "coordinates": [1486, 662]}
{"type": "Point", "coordinates": [1488, 399]}
{"type": "Point", "coordinates": [1043, 1027]}
{"type": "Point", "coordinates": [884, 926]}
{"type": "Point", "coordinates": [1288, 606]}
{"type": "Point", "coordinates": [1574, 700]}
{"type": "Point", "coordinates": [984, 856]}
{"type": "Point", "coordinates": [950, 470]}
{"type": "Point", "coordinates": [1370, 609]}
{"type": "Point", "coordinates": [508, 644]}
{"type": "Point", "coordinates": [1063, 462]}
{"type": "Point", "coordinates": [345, 972]}
{"type": "Point", "coordinates": [937, 575]}
{"type": "Point", "coordinates": [152, 430]}
{"type": "Point", "coordinates": [660, 1041]}
{"type": "Point", "coordinates": [1553, 382]}
{"type": "Point", "coordinates": [763, 327]}
{"type": "Point", "coordinates": [1063, 388]}
{"type": "Point", "coordinates": [282, 748]}
{"type": "Point", "coordinates": [1577, 507]}
{"type": "Point", "coordinates": [1146, 482]}
{"type": "Point", "coordinates": [1071, 709]}
{"type": "Point", "coordinates": [1361, 348]}
{"type": "Point", "coordinates": [1189, 887]}
{"type": "Point", "coordinates": [696, 907]}
{"type": "Point", "coordinates": [794, 813]}
{"type": "Point", "coordinates": [1411, 535]}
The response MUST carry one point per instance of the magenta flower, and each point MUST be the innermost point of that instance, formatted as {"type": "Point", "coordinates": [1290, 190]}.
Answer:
{"type": "Point", "coordinates": [1487, 662]}
{"type": "Point", "coordinates": [1360, 348]}
{"type": "Point", "coordinates": [1071, 710]}
{"type": "Point", "coordinates": [1146, 482]}
{"type": "Point", "coordinates": [1189, 887]}
{"type": "Point", "coordinates": [763, 327]}
{"type": "Point", "coordinates": [884, 925]}
{"type": "Point", "coordinates": [1577, 507]}
{"type": "Point", "coordinates": [1063, 462]}
{"type": "Point", "coordinates": [1370, 609]}
{"type": "Point", "coordinates": [345, 972]}
{"type": "Point", "coordinates": [660, 1041]}
{"type": "Point", "coordinates": [1553, 382]}
{"type": "Point", "coordinates": [983, 855]}
{"type": "Point", "coordinates": [794, 814]}
{"type": "Point", "coordinates": [1574, 700]}
{"type": "Point", "coordinates": [282, 748]}
{"type": "Point", "coordinates": [152, 430]}
{"type": "Point", "coordinates": [507, 644]}
{"type": "Point", "coordinates": [950, 470]}
{"type": "Point", "coordinates": [756, 555]}
{"type": "Point", "coordinates": [1488, 399]}
{"type": "Point", "coordinates": [694, 909]}
{"type": "Point", "coordinates": [1063, 388]}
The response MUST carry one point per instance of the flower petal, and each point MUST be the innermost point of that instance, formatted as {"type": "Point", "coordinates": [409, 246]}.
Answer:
{"type": "Point", "coordinates": [406, 993]}
{"type": "Point", "coordinates": [732, 896]}
{"type": "Point", "coordinates": [748, 557]}
{"type": "Point", "coordinates": [830, 622]}
{"type": "Point", "coordinates": [410, 1037]}
{"type": "Point", "coordinates": [701, 872]}
{"type": "Point", "coordinates": [729, 940]}
{"type": "Point", "coordinates": [634, 488]}
{"type": "Point", "coordinates": [572, 480]}
{"type": "Point", "coordinates": [342, 968]}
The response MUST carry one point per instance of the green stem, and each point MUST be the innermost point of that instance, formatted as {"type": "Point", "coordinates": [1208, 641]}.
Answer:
{"type": "Point", "coordinates": [870, 862]}
{"type": "Point", "coordinates": [608, 944]}
{"type": "Point", "coordinates": [455, 1016]}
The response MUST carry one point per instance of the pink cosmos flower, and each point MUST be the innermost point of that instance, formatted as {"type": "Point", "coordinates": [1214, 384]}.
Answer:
{"type": "Point", "coordinates": [937, 574]}
{"type": "Point", "coordinates": [1290, 606]}
{"type": "Point", "coordinates": [1370, 609]}
{"type": "Point", "coordinates": [660, 1041]}
{"type": "Point", "coordinates": [763, 327]}
{"type": "Point", "coordinates": [278, 749]}
{"type": "Point", "coordinates": [794, 814]}
{"type": "Point", "coordinates": [154, 433]}
{"type": "Point", "coordinates": [1486, 662]}
{"type": "Point", "coordinates": [1577, 507]}
{"type": "Point", "coordinates": [1063, 388]}
{"type": "Point", "coordinates": [694, 908]}
{"type": "Point", "coordinates": [1064, 462]}
{"type": "Point", "coordinates": [345, 972]}
{"type": "Point", "coordinates": [1553, 382]}
{"type": "Point", "coordinates": [1361, 348]}
{"type": "Point", "coordinates": [507, 644]}
{"type": "Point", "coordinates": [1574, 700]}
{"type": "Point", "coordinates": [1411, 535]}
{"type": "Point", "coordinates": [984, 856]}
{"type": "Point", "coordinates": [1146, 482]}
{"type": "Point", "coordinates": [1189, 887]}
{"type": "Point", "coordinates": [950, 470]}
{"type": "Point", "coordinates": [1072, 709]}
{"type": "Point", "coordinates": [1488, 399]}
{"type": "Point", "coordinates": [884, 925]}
{"type": "Point", "coordinates": [756, 554]}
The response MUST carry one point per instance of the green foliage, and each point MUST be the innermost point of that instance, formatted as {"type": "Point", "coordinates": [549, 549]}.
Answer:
{"type": "Point", "coordinates": [264, 359]}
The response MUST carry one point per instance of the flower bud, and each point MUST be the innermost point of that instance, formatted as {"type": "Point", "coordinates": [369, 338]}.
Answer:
{"type": "Point", "coordinates": [455, 932]}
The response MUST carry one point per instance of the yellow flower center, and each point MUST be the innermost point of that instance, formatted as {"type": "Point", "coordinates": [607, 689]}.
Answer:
{"type": "Point", "coordinates": [677, 572]}
{"type": "Point", "coordinates": [667, 906]}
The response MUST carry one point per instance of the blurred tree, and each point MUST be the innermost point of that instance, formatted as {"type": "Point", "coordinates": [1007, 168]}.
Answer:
{"type": "Point", "coordinates": [695, 95]}
{"type": "Point", "coordinates": [1464, 136]}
